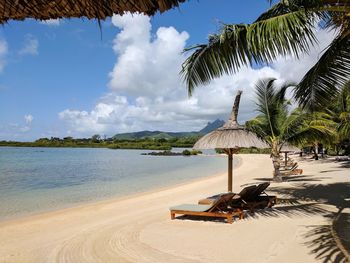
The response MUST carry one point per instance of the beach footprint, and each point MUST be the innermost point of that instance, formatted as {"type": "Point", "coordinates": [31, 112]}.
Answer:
{"type": "Point", "coordinates": [274, 250]}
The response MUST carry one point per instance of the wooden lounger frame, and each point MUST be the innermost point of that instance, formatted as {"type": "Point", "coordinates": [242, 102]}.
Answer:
{"type": "Point", "coordinates": [292, 172]}
{"type": "Point", "coordinates": [266, 201]}
{"type": "Point", "coordinates": [219, 209]}
{"type": "Point", "coordinates": [253, 200]}
{"type": "Point", "coordinates": [229, 215]}
{"type": "Point", "coordinates": [289, 167]}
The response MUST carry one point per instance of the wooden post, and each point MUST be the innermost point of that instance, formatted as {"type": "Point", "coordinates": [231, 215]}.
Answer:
{"type": "Point", "coordinates": [230, 157]}
{"type": "Point", "coordinates": [285, 159]}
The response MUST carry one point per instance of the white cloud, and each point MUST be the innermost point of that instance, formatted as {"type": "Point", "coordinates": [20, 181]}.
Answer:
{"type": "Point", "coordinates": [16, 130]}
{"type": "Point", "coordinates": [3, 53]}
{"type": "Point", "coordinates": [28, 118]}
{"type": "Point", "coordinates": [30, 46]}
{"type": "Point", "coordinates": [145, 66]}
{"type": "Point", "coordinates": [146, 91]}
{"type": "Point", "coordinates": [51, 22]}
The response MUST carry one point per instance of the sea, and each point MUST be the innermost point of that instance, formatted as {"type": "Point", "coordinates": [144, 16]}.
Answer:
{"type": "Point", "coordinates": [35, 180]}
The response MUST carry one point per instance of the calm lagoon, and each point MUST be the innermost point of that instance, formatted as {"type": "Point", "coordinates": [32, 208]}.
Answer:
{"type": "Point", "coordinates": [35, 180]}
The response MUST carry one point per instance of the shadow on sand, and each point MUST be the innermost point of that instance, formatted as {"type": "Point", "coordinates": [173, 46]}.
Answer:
{"type": "Point", "coordinates": [294, 178]}
{"type": "Point", "coordinates": [329, 242]}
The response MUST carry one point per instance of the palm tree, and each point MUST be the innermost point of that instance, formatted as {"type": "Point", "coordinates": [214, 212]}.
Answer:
{"type": "Point", "coordinates": [277, 125]}
{"type": "Point", "coordinates": [344, 111]}
{"type": "Point", "coordinates": [287, 28]}
{"type": "Point", "coordinates": [339, 109]}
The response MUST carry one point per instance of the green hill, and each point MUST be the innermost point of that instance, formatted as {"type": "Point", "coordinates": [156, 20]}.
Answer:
{"type": "Point", "coordinates": [168, 135]}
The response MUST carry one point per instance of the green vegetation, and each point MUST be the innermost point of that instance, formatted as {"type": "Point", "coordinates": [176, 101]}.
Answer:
{"type": "Point", "coordinates": [278, 125]}
{"type": "Point", "coordinates": [247, 151]}
{"type": "Point", "coordinates": [96, 142]}
{"type": "Point", "coordinates": [152, 140]}
{"type": "Point", "coordinates": [168, 135]}
{"type": "Point", "coordinates": [192, 152]}
{"type": "Point", "coordinates": [170, 153]}
{"type": "Point", "coordinates": [254, 151]}
{"type": "Point", "coordinates": [141, 144]}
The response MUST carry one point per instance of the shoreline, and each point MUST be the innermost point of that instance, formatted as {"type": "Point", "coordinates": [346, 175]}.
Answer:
{"type": "Point", "coordinates": [116, 198]}
{"type": "Point", "coordinates": [108, 200]}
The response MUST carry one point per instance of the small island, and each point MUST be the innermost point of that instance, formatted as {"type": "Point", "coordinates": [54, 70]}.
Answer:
{"type": "Point", "coordinates": [170, 153]}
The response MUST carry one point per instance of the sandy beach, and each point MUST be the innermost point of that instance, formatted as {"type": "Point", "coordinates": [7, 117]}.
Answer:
{"type": "Point", "coordinates": [138, 228]}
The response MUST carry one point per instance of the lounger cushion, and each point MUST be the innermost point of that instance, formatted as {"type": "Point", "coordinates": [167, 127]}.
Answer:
{"type": "Point", "coordinates": [212, 199]}
{"type": "Point", "coordinates": [191, 207]}
{"type": "Point", "coordinates": [207, 201]}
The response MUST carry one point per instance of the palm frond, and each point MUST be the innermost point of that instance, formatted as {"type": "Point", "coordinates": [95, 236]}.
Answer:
{"type": "Point", "coordinates": [260, 127]}
{"type": "Point", "coordinates": [344, 97]}
{"type": "Point", "coordinates": [344, 126]}
{"type": "Point", "coordinates": [311, 134]}
{"type": "Point", "coordinates": [271, 103]}
{"type": "Point", "coordinates": [320, 83]}
{"type": "Point", "coordinates": [242, 45]}
{"type": "Point", "coordinates": [285, 7]}
{"type": "Point", "coordinates": [330, 13]}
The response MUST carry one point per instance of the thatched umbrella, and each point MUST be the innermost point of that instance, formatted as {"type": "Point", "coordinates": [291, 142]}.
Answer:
{"type": "Point", "coordinates": [287, 148]}
{"type": "Point", "coordinates": [98, 9]}
{"type": "Point", "coordinates": [230, 137]}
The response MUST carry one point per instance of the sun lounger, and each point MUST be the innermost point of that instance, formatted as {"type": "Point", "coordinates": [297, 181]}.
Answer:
{"type": "Point", "coordinates": [260, 198]}
{"type": "Point", "coordinates": [249, 198]}
{"type": "Point", "coordinates": [342, 158]}
{"type": "Point", "coordinates": [255, 199]}
{"type": "Point", "coordinates": [219, 208]}
{"type": "Point", "coordinates": [289, 167]}
{"type": "Point", "coordinates": [292, 171]}
{"type": "Point", "coordinates": [244, 192]}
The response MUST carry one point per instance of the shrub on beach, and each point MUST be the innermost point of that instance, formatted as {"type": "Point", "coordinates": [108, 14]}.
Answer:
{"type": "Point", "coordinates": [195, 152]}
{"type": "Point", "coordinates": [192, 152]}
{"type": "Point", "coordinates": [186, 152]}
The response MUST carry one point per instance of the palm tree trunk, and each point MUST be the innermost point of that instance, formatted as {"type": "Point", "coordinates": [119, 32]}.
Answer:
{"type": "Point", "coordinates": [276, 165]}
{"type": "Point", "coordinates": [275, 161]}
{"type": "Point", "coordinates": [316, 151]}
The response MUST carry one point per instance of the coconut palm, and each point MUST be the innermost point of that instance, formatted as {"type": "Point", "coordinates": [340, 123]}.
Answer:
{"type": "Point", "coordinates": [343, 110]}
{"type": "Point", "coordinates": [277, 125]}
{"type": "Point", "coordinates": [287, 28]}
{"type": "Point", "coordinates": [339, 109]}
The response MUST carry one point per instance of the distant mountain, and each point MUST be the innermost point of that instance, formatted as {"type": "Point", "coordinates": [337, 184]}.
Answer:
{"type": "Point", "coordinates": [168, 135]}
{"type": "Point", "coordinates": [212, 126]}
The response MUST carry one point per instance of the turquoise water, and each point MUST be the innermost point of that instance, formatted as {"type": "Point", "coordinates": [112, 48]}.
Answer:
{"type": "Point", "coordinates": [34, 180]}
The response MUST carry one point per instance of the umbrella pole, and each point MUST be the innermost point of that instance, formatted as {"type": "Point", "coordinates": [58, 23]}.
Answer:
{"type": "Point", "coordinates": [230, 157]}
{"type": "Point", "coordinates": [285, 159]}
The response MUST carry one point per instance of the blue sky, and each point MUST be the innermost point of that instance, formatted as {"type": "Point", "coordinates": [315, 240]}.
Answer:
{"type": "Point", "coordinates": [68, 78]}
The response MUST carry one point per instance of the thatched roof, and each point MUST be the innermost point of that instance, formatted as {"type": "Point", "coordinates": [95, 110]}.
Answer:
{"type": "Point", "coordinates": [98, 9]}
{"type": "Point", "coordinates": [231, 135]}
{"type": "Point", "coordinates": [226, 139]}
{"type": "Point", "coordinates": [289, 148]}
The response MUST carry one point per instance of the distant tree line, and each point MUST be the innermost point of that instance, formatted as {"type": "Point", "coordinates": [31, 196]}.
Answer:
{"type": "Point", "coordinates": [97, 141]}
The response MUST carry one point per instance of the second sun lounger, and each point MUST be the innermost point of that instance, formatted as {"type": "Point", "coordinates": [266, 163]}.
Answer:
{"type": "Point", "coordinates": [217, 209]}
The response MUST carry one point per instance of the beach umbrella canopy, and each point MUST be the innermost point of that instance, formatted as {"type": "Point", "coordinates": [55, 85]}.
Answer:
{"type": "Point", "coordinates": [91, 9]}
{"type": "Point", "coordinates": [287, 148]}
{"type": "Point", "coordinates": [230, 137]}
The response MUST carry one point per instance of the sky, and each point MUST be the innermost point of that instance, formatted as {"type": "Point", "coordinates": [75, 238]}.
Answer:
{"type": "Point", "coordinates": [68, 77]}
